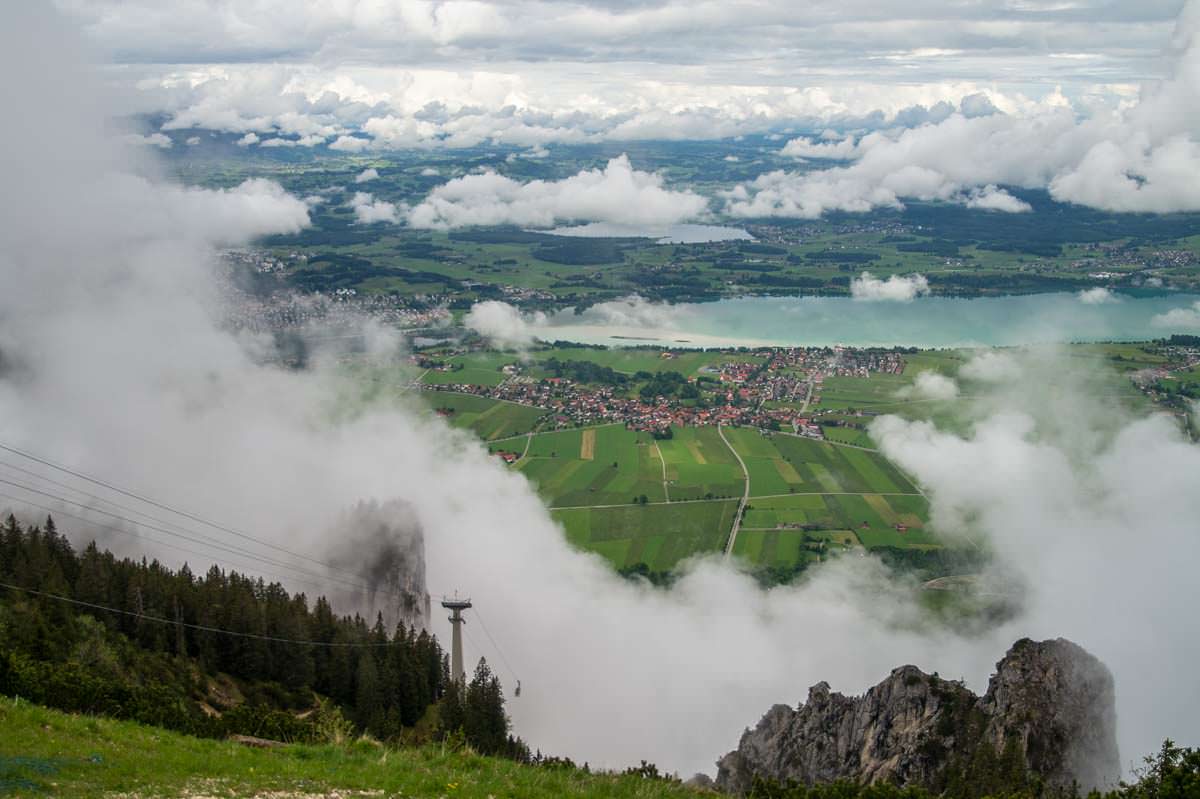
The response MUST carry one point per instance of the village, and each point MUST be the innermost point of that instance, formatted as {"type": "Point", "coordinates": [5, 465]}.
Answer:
{"type": "Point", "coordinates": [774, 391]}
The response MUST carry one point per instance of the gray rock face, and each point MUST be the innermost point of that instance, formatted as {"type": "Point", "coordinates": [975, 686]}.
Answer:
{"type": "Point", "coordinates": [1049, 708]}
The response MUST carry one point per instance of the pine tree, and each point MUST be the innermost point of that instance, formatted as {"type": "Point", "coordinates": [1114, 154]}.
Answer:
{"type": "Point", "coordinates": [485, 722]}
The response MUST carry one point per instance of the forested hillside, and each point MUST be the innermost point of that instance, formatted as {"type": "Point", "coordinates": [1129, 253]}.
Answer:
{"type": "Point", "coordinates": [212, 654]}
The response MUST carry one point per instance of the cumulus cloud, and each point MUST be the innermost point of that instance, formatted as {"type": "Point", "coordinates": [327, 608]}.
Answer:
{"type": "Point", "coordinates": [368, 210]}
{"type": "Point", "coordinates": [993, 198]}
{"type": "Point", "coordinates": [990, 366]}
{"type": "Point", "coordinates": [632, 312]}
{"type": "Point", "coordinates": [248, 139]}
{"type": "Point", "coordinates": [1055, 477]}
{"type": "Point", "coordinates": [161, 140]}
{"type": "Point", "coordinates": [366, 175]}
{"type": "Point", "coordinates": [1097, 296]}
{"type": "Point", "coordinates": [897, 288]}
{"type": "Point", "coordinates": [617, 193]}
{"type": "Point", "coordinates": [504, 325]}
{"type": "Point", "coordinates": [429, 172]}
{"type": "Point", "coordinates": [1143, 156]}
{"type": "Point", "coordinates": [1187, 318]}
{"type": "Point", "coordinates": [303, 141]}
{"type": "Point", "coordinates": [930, 386]}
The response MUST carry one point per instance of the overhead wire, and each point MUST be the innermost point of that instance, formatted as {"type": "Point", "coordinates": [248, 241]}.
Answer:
{"type": "Point", "coordinates": [200, 627]}
{"type": "Point", "coordinates": [187, 534]}
{"type": "Point", "coordinates": [203, 542]}
{"type": "Point", "coordinates": [164, 506]}
{"type": "Point", "coordinates": [496, 646]}
{"type": "Point", "coordinates": [124, 531]}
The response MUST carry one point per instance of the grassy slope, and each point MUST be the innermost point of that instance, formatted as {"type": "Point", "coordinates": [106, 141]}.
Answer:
{"type": "Point", "coordinates": [86, 757]}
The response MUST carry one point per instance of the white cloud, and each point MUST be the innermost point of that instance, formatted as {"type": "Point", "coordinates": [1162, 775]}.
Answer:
{"type": "Point", "coordinates": [618, 193]}
{"type": "Point", "coordinates": [248, 139]}
{"type": "Point", "coordinates": [632, 312]}
{"type": "Point", "coordinates": [366, 175]}
{"type": "Point", "coordinates": [1179, 318]}
{"type": "Point", "coordinates": [1097, 296]}
{"type": "Point", "coordinates": [930, 386]}
{"type": "Point", "coordinates": [350, 144]}
{"type": "Point", "coordinates": [990, 366]}
{"type": "Point", "coordinates": [897, 288]}
{"type": "Point", "coordinates": [368, 210]}
{"type": "Point", "coordinates": [160, 140]}
{"type": "Point", "coordinates": [504, 325]}
{"type": "Point", "coordinates": [732, 159]}
{"type": "Point", "coordinates": [840, 149]}
{"type": "Point", "coordinates": [1140, 156]}
{"type": "Point", "coordinates": [429, 172]}
{"type": "Point", "coordinates": [192, 141]}
{"type": "Point", "coordinates": [303, 141]}
{"type": "Point", "coordinates": [993, 198]}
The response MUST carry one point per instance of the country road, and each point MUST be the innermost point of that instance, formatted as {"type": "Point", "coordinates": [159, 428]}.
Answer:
{"type": "Point", "coordinates": [737, 518]}
{"type": "Point", "coordinates": [663, 461]}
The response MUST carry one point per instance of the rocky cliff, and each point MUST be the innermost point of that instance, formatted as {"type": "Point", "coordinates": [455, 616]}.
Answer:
{"type": "Point", "coordinates": [1048, 712]}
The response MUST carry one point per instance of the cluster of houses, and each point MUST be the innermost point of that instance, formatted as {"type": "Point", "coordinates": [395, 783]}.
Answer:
{"type": "Point", "coordinates": [763, 393]}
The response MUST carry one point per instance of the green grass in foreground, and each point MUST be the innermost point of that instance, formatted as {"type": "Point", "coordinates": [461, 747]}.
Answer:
{"type": "Point", "coordinates": [47, 753]}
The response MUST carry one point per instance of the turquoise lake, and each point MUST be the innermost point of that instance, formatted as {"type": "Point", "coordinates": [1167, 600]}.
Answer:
{"type": "Point", "coordinates": [922, 322]}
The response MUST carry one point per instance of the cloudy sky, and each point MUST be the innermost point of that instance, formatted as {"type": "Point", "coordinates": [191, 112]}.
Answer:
{"type": "Point", "coordinates": [400, 70]}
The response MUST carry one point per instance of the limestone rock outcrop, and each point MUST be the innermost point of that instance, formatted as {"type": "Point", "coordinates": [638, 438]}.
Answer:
{"type": "Point", "coordinates": [1048, 712]}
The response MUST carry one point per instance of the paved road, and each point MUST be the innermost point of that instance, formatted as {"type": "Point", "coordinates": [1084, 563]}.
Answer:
{"type": "Point", "coordinates": [807, 397]}
{"type": "Point", "coordinates": [737, 519]}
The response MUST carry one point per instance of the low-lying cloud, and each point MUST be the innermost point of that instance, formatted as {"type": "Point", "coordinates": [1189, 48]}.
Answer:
{"type": "Point", "coordinates": [504, 326]}
{"type": "Point", "coordinates": [1179, 318]}
{"type": "Point", "coordinates": [369, 211]}
{"type": "Point", "coordinates": [897, 288]}
{"type": "Point", "coordinates": [930, 386]}
{"type": "Point", "coordinates": [1097, 296]}
{"type": "Point", "coordinates": [617, 193]}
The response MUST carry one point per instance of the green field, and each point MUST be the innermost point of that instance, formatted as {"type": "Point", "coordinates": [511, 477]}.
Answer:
{"type": "Point", "coordinates": [700, 465]}
{"type": "Point", "coordinates": [47, 753]}
{"type": "Point", "coordinates": [488, 418]}
{"type": "Point", "coordinates": [473, 368]}
{"type": "Point", "coordinates": [595, 466]}
{"type": "Point", "coordinates": [593, 480]}
{"type": "Point", "coordinates": [785, 464]}
{"type": "Point", "coordinates": [658, 535]}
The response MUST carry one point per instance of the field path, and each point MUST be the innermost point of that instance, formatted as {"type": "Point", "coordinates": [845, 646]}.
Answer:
{"type": "Point", "coordinates": [587, 445]}
{"type": "Point", "coordinates": [626, 504]}
{"type": "Point", "coordinates": [528, 441]}
{"type": "Point", "coordinates": [663, 461]}
{"type": "Point", "coordinates": [829, 441]}
{"type": "Point", "coordinates": [741, 508]}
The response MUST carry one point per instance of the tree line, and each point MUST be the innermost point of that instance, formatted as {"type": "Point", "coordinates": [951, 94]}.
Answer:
{"type": "Point", "coordinates": [215, 654]}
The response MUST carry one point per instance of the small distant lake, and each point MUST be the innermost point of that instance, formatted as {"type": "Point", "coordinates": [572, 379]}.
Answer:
{"type": "Point", "coordinates": [923, 322]}
{"type": "Point", "coordinates": [663, 234]}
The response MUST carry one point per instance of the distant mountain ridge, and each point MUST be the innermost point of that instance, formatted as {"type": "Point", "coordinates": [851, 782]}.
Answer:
{"type": "Point", "coordinates": [1047, 716]}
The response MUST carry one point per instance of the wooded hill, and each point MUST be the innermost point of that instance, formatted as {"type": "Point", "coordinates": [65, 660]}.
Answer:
{"type": "Point", "coordinates": [217, 654]}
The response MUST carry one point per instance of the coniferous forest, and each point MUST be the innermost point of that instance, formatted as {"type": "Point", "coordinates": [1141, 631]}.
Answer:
{"type": "Point", "coordinates": [219, 654]}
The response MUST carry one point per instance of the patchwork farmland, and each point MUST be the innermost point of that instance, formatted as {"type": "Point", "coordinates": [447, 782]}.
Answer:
{"type": "Point", "coordinates": [635, 499]}
{"type": "Point", "coordinates": [488, 418]}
